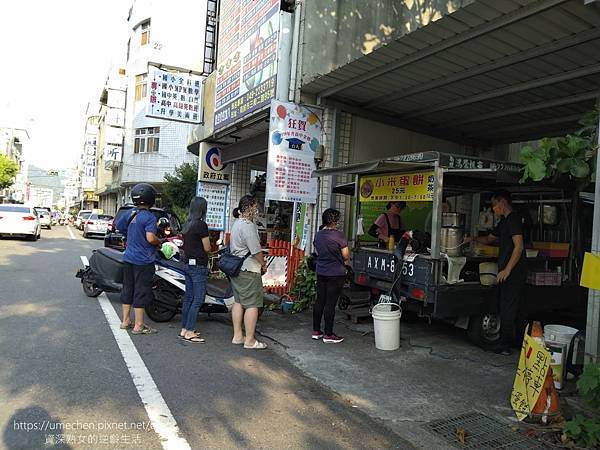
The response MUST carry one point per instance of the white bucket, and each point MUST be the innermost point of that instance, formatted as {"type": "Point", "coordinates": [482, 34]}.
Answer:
{"type": "Point", "coordinates": [559, 334]}
{"type": "Point", "coordinates": [558, 339]}
{"type": "Point", "coordinates": [386, 321]}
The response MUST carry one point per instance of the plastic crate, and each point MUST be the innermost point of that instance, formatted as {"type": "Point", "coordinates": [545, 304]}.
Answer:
{"type": "Point", "coordinates": [544, 278]}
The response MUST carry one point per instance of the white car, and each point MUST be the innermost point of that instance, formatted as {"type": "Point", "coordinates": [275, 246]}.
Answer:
{"type": "Point", "coordinates": [81, 217]}
{"type": "Point", "coordinates": [19, 220]}
{"type": "Point", "coordinates": [44, 216]}
{"type": "Point", "coordinates": [96, 224]}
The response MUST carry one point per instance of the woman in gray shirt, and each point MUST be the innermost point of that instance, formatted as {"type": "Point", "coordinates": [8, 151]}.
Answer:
{"type": "Point", "coordinates": [247, 286]}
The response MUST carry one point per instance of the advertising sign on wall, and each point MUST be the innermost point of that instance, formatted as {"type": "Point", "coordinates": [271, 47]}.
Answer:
{"type": "Point", "coordinates": [409, 187]}
{"type": "Point", "coordinates": [211, 167]}
{"type": "Point", "coordinates": [247, 60]}
{"type": "Point", "coordinates": [216, 197]}
{"type": "Point", "coordinates": [174, 95]}
{"type": "Point", "coordinates": [294, 136]}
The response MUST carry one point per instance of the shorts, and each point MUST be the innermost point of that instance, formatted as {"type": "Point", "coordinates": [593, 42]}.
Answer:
{"type": "Point", "coordinates": [137, 285]}
{"type": "Point", "coordinates": [248, 289]}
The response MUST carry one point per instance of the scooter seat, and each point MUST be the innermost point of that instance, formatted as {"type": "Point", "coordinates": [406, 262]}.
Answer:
{"type": "Point", "coordinates": [172, 264]}
{"type": "Point", "coordinates": [111, 254]}
{"type": "Point", "coordinates": [219, 288]}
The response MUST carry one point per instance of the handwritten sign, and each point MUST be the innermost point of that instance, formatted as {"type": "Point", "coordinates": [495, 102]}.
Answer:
{"type": "Point", "coordinates": [408, 187]}
{"type": "Point", "coordinates": [534, 363]}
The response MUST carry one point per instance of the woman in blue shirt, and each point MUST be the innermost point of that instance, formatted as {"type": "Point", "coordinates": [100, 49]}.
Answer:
{"type": "Point", "coordinates": [333, 257]}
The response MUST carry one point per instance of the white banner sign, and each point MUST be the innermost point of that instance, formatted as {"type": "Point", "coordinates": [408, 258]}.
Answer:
{"type": "Point", "coordinates": [174, 95]}
{"type": "Point", "coordinates": [112, 153]}
{"type": "Point", "coordinates": [294, 136]}
{"type": "Point", "coordinates": [211, 167]}
{"type": "Point", "coordinates": [216, 198]}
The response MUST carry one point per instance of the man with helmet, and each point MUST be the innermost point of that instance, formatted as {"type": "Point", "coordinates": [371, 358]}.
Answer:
{"type": "Point", "coordinates": [139, 257]}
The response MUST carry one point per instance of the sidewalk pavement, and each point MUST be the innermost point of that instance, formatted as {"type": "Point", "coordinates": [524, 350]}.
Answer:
{"type": "Point", "coordinates": [436, 374]}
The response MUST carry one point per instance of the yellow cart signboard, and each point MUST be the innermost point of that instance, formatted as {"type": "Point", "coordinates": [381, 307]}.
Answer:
{"type": "Point", "coordinates": [408, 187]}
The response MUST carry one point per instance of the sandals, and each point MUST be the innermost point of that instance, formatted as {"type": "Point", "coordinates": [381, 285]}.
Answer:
{"type": "Point", "coordinates": [145, 330]}
{"type": "Point", "coordinates": [240, 342]}
{"type": "Point", "coordinates": [127, 327]}
{"type": "Point", "coordinates": [194, 339]}
{"type": "Point", "coordinates": [256, 346]}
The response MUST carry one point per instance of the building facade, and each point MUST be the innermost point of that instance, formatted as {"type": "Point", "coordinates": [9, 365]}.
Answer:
{"type": "Point", "coordinates": [165, 36]}
{"type": "Point", "coordinates": [12, 143]}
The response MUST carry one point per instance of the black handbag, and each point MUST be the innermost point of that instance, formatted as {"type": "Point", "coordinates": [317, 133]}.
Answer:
{"type": "Point", "coordinates": [230, 264]}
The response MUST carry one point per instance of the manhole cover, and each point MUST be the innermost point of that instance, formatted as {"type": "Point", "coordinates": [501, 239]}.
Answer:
{"type": "Point", "coordinates": [480, 431]}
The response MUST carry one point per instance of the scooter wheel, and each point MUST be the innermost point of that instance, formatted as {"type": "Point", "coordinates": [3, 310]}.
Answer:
{"type": "Point", "coordinates": [343, 303]}
{"type": "Point", "coordinates": [158, 313]}
{"type": "Point", "coordinates": [90, 289]}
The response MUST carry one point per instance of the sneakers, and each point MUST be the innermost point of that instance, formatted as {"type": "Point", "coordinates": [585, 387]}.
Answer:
{"type": "Point", "coordinates": [316, 335]}
{"type": "Point", "coordinates": [332, 339]}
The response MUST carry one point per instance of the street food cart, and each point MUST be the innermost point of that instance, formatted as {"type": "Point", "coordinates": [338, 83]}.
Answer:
{"type": "Point", "coordinates": [435, 275]}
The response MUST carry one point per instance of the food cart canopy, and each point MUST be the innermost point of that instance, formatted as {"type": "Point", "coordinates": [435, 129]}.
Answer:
{"type": "Point", "coordinates": [491, 72]}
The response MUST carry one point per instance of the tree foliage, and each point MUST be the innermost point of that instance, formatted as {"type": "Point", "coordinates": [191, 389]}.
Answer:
{"type": "Point", "coordinates": [180, 187]}
{"type": "Point", "coordinates": [571, 155]}
{"type": "Point", "coordinates": [8, 171]}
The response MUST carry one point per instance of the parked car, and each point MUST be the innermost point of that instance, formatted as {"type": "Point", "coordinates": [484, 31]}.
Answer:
{"type": "Point", "coordinates": [81, 218]}
{"type": "Point", "coordinates": [20, 220]}
{"type": "Point", "coordinates": [96, 224]}
{"type": "Point", "coordinates": [114, 238]}
{"type": "Point", "coordinates": [44, 216]}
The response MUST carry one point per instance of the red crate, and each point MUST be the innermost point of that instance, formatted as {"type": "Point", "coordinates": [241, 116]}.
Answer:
{"type": "Point", "coordinates": [544, 278]}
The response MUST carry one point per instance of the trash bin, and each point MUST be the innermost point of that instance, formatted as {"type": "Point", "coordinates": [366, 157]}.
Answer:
{"type": "Point", "coordinates": [386, 321]}
{"type": "Point", "coordinates": [558, 340]}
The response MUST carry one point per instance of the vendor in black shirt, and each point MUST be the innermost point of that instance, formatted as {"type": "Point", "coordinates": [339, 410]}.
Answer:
{"type": "Point", "coordinates": [512, 267]}
{"type": "Point", "coordinates": [196, 245]}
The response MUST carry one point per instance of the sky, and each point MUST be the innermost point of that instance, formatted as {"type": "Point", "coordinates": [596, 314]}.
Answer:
{"type": "Point", "coordinates": [55, 57]}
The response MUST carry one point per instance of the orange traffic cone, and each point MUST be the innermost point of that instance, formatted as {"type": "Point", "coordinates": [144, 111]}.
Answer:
{"type": "Point", "coordinates": [547, 406]}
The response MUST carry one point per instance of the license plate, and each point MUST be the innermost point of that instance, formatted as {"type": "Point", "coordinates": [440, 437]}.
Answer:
{"type": "Point", "coordinates": [381, 264]}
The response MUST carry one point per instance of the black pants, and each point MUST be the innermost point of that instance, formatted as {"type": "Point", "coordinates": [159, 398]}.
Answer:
{"type": "Point", "coordinates": [510, 292]}
{"type": "Point", "coordinates": [137, 285]}
{"type": "Point", "coordinates": [328, 292]}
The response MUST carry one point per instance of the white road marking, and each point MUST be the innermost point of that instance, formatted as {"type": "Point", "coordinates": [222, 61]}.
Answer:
{"type": "Point", "coordinates": [84, 261]}
{"type": "Point", "coordinates": [70, 232]}
{"type": "Point", "coordinates": [159, 413]}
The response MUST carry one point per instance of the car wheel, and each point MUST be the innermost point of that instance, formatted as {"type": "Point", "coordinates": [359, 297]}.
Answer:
{"type": "Point", "coordinates": [49, 227]}
{"type": "Point", "coordinates": [85, 235]}
{"type": "Point", "coordinates": [484, 330]}
{"type": "Point", "coordinates": [33, 238]}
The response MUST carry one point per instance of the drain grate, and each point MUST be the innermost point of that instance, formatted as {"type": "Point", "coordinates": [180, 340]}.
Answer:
{"type": "Point", "coordinates": [480, 432]}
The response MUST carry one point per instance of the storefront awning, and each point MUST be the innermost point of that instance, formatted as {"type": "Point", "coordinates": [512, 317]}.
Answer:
{"type": "Point", "coordinates": [494, 71]}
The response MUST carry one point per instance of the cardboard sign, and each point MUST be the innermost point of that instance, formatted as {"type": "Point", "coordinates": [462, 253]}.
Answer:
{"type": "Point", "coordinates": [534, 363]}
{"type": "Point", "coordinates": [590, 276]}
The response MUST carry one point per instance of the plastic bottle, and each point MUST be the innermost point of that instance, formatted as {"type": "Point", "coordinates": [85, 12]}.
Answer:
{"type": "Point", "coordinates": [391, 243]}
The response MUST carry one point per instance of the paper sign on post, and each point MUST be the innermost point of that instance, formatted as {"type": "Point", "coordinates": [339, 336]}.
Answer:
{"type": "Point", "coordinates": [534, 363]}
{"type": "Point", "coordinates": [590, 276]}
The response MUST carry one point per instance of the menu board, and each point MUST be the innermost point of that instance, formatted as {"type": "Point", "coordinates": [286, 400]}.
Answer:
{"type": "Point", "coordinates": [216, 198]}
{"type": "Point", "coordinates": [247, 59]}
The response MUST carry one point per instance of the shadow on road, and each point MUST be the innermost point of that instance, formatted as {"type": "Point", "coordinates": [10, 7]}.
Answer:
{"type": "Point", "coordinates": [34, 428]}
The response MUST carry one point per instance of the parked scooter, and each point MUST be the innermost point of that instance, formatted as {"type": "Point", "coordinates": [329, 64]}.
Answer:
{"type": "Point", "coordinates": [104, 273]}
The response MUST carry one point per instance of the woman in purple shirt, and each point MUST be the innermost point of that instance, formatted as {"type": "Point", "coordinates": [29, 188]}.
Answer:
{"type": "Point", "coordinates": [333, 257]}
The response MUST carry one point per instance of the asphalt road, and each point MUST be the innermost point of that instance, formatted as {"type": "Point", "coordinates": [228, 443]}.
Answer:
{"type": "Point", "coordinates": [64, 382]}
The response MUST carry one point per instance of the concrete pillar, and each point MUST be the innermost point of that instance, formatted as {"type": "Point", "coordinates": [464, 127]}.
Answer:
{"type": "Point", "coordinates": [592, 337]}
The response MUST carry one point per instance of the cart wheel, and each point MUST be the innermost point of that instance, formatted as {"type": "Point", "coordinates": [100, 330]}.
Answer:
{"type": "Point", "coordinates": [484, 330]}
{"type": "Point", "coordinates": [343, 303]}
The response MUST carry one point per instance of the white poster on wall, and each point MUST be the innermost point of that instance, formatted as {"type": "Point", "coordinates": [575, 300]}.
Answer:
{"type": "Point", "coordinates": [112, 153]}
{"type": "Point", "coordinates": [174, 95]}
{"type": "Point", "coordinates": [216, 199]}
{"type": "Point", "coordinates": [294, 136]}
